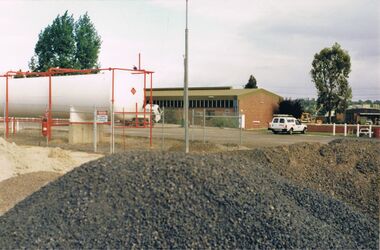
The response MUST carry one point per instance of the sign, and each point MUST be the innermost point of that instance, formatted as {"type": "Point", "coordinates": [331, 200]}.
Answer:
{"type": "Point", "coordinates": [133, 91]}
{"type": "Point", "coordinates": [101, 116]}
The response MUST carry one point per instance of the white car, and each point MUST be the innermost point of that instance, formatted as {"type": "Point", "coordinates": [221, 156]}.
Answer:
{"type": "Point", "coordinates": [286, 124]}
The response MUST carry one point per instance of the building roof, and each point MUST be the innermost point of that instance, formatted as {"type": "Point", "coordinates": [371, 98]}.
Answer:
{"type": "Point", "coordinates": [206, 92]}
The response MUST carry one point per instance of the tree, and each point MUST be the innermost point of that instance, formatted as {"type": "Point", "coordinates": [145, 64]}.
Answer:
{"type": "Point", "coordinates": [309, 105]}
{"type": "Point", "coordinates": [67, 44]}
{"type": "Point", "coordinates": [88, 43]}
{"type": "Point", "coordinates": [290, 107]}
{"type": "Point", "coordinates": [330, 70]}
{"type": "Point", "coordinates": [56, 45]}
{"type": "Point", "coordinates": [252, 84]}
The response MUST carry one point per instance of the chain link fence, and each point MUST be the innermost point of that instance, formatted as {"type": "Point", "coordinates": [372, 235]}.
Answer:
{"type": "Point", "coordinates": [90, 129]}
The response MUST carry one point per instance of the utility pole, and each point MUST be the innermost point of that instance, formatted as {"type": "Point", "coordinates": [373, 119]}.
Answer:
{"type": "Point", "coordinates": [186, 86]}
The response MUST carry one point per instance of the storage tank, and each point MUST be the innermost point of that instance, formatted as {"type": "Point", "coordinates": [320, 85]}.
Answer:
{"type": "Point", "coordinates": [29, 97]}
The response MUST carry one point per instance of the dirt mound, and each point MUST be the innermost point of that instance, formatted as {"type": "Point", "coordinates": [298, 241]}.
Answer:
{"type": "Point", "coordinates": [17, 188]}
{"type": "Point", "coordinates": [170, 200]}
{"type": "Point", "coordinates": [345, 169]}
{"type": "Point", "coordinates": [17, 160]}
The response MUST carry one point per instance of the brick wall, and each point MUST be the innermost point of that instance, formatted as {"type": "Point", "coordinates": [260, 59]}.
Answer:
{"type": "Point", "coordinates": [258, 109]}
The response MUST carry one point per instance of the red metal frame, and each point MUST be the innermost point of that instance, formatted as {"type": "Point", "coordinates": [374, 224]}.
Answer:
{"type": "Point", "coordinates": [54, 71]}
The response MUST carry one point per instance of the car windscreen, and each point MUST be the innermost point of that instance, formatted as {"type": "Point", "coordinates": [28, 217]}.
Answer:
{"type": "Point", "coordinates": [282, 120]}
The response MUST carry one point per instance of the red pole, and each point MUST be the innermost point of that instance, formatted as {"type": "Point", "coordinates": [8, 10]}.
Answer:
{"type": "Point", "coordinates": [112, 113]}
{"type": "Point", "coordinates": [144, 99]}
{"type": "Point", "coordinates": [151, 109]}
{"type": "Point", "coordinates": [6, 109]}
{"type": "Point", "coordinates": [113, 87]}
{"type": "Point", "coordinates": [49, 123]}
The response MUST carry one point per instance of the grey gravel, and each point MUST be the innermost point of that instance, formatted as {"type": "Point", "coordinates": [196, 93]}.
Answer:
{"type": "Point", "coordinates": [171, 200]}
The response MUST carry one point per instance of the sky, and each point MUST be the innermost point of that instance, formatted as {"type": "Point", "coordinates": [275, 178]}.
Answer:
{"type": "Point", "coordinates": [274, 40]}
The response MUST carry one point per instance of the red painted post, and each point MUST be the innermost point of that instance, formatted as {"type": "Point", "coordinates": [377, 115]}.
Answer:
{"type": "Point", "coordinates": [151, 109]}
{"type": "Point", "coordinates": [6, 108]}
{"type": "Point", "coordinates": [113, 86]}
{"type": "Point", "coordinates": [144, 100]}
{"type": "Point", "coordinates": [49, 114]}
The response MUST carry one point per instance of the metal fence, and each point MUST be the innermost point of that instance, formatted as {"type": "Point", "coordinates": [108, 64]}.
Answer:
{"type": "Point", "coordinates": [224, 129]}
{"type": "Point", "coordinates": [93, 130]}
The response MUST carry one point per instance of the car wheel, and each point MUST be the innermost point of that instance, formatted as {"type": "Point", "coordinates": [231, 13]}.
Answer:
{"type": "Point", "coordinates": [274, 132]}
{"type": "Point", "coordinates": [304, 131]}
{"type": "Point", "coordinates": [291, 131]}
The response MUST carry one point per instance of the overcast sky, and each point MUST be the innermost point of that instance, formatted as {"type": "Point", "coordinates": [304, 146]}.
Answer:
{"type": "Point", "coordinates": [275, 40]}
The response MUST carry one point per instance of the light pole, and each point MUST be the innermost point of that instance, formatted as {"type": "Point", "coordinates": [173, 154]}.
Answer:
{"type": "Point", "coordinates": [186, 86]}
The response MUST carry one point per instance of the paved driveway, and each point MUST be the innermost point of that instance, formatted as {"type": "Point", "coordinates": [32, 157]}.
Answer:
{"type": "Point", "coordinates": [257, 138]}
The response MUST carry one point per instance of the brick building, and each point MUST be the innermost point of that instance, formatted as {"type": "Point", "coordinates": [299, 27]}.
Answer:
{"type": "Point", "coordinates": [257, 105]}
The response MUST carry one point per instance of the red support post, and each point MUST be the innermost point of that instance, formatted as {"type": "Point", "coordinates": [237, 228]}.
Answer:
{"type": "Point", "coordinates": [49, 123]}
{"type": "Point", "coordinates": [6, 108]}
{"type": "Point", "coordinates": [145, 102]}
{"type": "Point", "coordinates": [113, 87]}
{"type": "Point", "coordinates": [151, 109]}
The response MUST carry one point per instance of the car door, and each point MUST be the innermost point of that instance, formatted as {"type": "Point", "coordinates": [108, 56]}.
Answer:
{"type": "Point", "coordinates": [298, 126]}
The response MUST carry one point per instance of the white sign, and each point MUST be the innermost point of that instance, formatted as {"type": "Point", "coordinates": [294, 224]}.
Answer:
{"type": "Point", "coordinates": [102, 116]}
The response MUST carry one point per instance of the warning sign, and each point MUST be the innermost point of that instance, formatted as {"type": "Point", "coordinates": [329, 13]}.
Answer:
{"type": "Point", "coordinates": [101, 116]}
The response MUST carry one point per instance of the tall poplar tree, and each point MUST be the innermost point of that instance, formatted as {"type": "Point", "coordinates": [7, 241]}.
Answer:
{"type": "Point", "coordinates": [330, 70]}
{"type": "Point", "coordinates": [67, 44]}
{"type": "Point", "coordinates": [87, 43]}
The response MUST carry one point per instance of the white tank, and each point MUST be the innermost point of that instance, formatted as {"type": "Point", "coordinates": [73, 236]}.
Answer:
{"type": "Point", "coordinates": [29, 97]}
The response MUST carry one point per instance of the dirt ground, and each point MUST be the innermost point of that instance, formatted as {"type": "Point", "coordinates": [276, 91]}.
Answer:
{"type": "Point", "coordinates": [16, 188]}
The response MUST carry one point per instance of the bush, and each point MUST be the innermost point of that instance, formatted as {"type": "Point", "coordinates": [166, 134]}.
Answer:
{"type": "Point", "coordinates": [171, 117]}
{"type": "Point", "coordinates": [225, 122]}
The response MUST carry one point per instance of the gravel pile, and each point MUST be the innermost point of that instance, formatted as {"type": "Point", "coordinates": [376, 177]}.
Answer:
{"type": "Point", "coordinates": [346, 169]}
{"type": "Point", "coordinates": [153, 200]}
